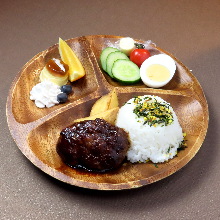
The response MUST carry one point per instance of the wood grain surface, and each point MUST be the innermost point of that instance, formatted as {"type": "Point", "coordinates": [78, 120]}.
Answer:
{"type": "Point", "coordinates": [36, 131]}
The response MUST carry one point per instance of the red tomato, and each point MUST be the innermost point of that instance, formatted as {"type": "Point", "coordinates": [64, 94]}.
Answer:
{"type": "Point", "coordinates": [138, 56]}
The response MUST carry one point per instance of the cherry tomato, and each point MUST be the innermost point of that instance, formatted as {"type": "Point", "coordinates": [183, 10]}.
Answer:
{"type": "Point", "coordinates": [138, 56]}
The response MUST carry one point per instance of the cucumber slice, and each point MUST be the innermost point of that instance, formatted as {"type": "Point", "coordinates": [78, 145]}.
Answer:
{"type": "Point", "coordinates": [104, 55]}
{"type": "Point", "coordinates": [126, 71]}
{"type": "Point", "coordinates": [112, 57]}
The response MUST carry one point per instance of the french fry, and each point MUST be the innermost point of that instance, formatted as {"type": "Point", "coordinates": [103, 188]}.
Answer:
{"type": "Point", "coordinates": [113, 100]}
{"type": "Point", "coordinates": [109, 116]}
{"type": "Point", "coordinates": [105, 103]}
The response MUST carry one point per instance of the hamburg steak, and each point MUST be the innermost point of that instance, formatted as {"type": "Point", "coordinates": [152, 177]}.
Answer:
{"type": "Point", "coordinates": [94, 145]}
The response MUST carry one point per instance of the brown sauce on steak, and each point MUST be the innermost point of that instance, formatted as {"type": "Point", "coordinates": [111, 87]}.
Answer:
{"type": "Point", "coordinates": [94, 145]}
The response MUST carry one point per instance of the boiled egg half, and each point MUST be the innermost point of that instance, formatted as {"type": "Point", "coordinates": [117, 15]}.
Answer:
{"type": "Point", "coordinates": [157, 70]}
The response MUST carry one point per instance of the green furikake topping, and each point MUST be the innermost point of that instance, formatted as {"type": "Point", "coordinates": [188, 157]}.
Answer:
{"type": "Point", "coordinates": [155, 165]}
{"type": "Point", "coordinates": [183, 144]}
{"type": "Point", "coordinates": [153, 111]}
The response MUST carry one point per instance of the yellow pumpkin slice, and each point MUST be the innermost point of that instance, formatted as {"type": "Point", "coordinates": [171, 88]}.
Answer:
{"type": "Point", "coordinates": [76, 70]}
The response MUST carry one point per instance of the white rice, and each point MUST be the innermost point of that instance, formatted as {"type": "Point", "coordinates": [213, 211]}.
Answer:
{"type": "Point", "coordinates": [157, 144]}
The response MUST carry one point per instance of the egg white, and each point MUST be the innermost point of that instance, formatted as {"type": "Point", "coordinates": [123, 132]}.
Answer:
{"type": "Point", "coordinates": [161, 59]}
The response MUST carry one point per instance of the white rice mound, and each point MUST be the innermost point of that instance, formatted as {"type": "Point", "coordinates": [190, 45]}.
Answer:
{"type": "Point", "coordinates": [157, 144]}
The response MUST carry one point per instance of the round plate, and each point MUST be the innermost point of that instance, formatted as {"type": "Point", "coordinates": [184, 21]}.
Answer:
{"type": "Point", "coordinates": [36, 131]}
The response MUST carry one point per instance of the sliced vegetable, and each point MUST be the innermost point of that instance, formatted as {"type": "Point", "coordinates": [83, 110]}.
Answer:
{"type": "Point", "coordinates": [126, 71]}
{"type": "Point", "coordinates": [112, 57]}
{"type": "Point", "coordinates": [109, 116]}
{"type": "Point", "coordinates": [104, 55]}
{"type": "Point", "coordinates": [105, 103]}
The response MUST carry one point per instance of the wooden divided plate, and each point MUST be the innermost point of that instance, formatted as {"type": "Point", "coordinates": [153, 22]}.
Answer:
{"type": "Point", "coordinates": [36, 131]}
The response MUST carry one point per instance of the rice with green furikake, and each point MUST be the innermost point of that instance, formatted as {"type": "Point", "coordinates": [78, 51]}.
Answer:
{"type": "Point", "coordinates": [154, 131]}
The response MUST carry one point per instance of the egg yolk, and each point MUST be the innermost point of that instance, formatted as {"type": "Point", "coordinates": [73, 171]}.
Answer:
{"type": "Point", "coordinates": [158, 72]}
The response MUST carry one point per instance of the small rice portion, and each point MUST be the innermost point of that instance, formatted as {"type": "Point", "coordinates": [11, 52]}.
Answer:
{"type": "Point", "coordinates": [155, 143]}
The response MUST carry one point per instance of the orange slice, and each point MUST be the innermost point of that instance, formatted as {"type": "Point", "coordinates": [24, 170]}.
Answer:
{"type": "Point", "coordinates": [76, 70]}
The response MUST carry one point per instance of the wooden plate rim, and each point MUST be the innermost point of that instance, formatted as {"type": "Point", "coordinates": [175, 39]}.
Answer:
{"type": "Point", "coordinates": [13, 125]}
